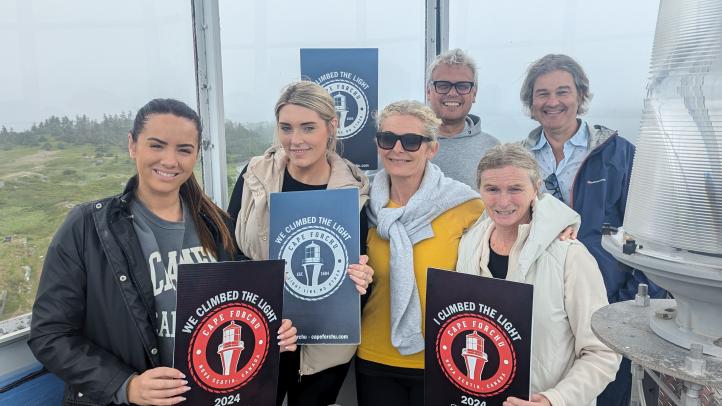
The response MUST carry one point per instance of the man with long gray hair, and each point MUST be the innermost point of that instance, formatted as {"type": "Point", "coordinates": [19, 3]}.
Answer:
{"type": "Point", "coordinates": [450, 92]}
{"type": "Point", "coordinates": [588, 167]}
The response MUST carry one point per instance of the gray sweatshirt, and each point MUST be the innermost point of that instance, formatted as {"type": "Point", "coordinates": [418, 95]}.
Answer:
{"type": "Point", "coordinates": [459, 155]}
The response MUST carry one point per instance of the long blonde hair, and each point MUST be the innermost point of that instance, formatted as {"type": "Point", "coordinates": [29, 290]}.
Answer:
{"type": "Point", "coordinates": [312, 96]}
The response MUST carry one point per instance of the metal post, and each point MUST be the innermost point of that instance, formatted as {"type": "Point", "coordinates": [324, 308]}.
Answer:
{"type": "Point", "coordinates": [431, 38]}
{"type": "Point", "coordinates": [663, 387]}
{"type": "Point", "coordinates": [637, 395]}
{"type": "Point", "coordinates": [437, 30]}
{"type": "Point", "coordinates": [443, 26]}
{"type": "Point", "coordinates": [690, 394]}
{"type": "Point", "coordinates": [209, 82]}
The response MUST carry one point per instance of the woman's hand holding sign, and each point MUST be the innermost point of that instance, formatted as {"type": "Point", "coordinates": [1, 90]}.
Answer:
{"type": "Point", "coordinates": [361, 274]}
{"type": "Point", "coordinates": [157, 386]}
{"type": "Point", "coordinates": [287, 336]}
{"type": "Point", "coordinates": [536, 400]}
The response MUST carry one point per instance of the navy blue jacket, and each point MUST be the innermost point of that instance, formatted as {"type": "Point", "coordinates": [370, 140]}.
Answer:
{"type": "Point", "coordinates": [599, 195]}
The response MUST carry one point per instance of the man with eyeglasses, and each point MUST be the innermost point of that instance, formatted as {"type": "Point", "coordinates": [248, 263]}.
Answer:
{"type": "Point", "coordinates": [450, 92]}
{"type": "Point", "coordinates": [588, 168]}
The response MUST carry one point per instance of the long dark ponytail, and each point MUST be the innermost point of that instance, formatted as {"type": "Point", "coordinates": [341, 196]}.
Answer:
{"type": "Point", "coordinates": [191, 192]}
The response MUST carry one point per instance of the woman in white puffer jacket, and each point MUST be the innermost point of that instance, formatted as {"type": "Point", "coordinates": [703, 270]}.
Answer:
{"type": "Point", "coordinates": [518, 241]}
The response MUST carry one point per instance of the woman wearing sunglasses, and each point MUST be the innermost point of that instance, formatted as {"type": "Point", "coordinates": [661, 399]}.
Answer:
{"type": "Point", "coordinates": [417, 216]}
{"type": "Point", "coordinates": [304, 158]}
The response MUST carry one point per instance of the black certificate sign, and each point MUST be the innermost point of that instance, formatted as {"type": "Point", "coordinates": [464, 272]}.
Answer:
{"type": "Point", "coordinates": [478, 339]}
{"type": "Point", "coordinates": [228, 315]}
{"type": "Point", "coordinates": [317, 234]}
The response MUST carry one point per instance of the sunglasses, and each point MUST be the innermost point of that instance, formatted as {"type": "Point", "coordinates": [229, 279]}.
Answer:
{"type": "Point", "coordinates": [444, 87]}
{"type": "Point", "coordinates": [409, 142]}
{"type": "Point", "coordinates": [552, 185]}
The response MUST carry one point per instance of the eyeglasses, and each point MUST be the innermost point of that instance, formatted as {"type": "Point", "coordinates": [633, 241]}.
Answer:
{"type": "Point", "coordinates": [409, 142]}
{"type": "Point", "coordinates": [444, 86]}
{"type": "Point", "coordinates": [552, 185]}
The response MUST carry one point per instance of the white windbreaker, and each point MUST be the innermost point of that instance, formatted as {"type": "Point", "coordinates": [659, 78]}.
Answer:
{"type": "Point", "coordinates": [569, 366]}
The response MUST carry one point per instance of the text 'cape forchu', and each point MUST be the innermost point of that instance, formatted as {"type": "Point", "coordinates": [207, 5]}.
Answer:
{"type": "Point", "coordinates": [478, 339]}
{"type": "Point", "coordinates": [317, 234]}
{"type": "Point", "coordinates": [228, 316]}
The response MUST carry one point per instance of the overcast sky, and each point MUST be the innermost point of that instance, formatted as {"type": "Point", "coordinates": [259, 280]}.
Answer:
{"type": "Point", "coordinates": [97, 57]}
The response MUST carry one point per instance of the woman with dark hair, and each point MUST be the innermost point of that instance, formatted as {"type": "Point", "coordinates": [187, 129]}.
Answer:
{"type": "Point", "coordinates": [104, 315]}
{"type": "Point", "coordinates": [303, 158]}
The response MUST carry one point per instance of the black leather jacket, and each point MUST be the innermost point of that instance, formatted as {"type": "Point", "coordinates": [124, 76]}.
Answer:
{"type": "Point", "coordinates": [94, 321]}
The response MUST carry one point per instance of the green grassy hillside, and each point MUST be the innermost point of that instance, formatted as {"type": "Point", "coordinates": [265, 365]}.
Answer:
{"type": "Point", "coordinates": [62, 162]}
{"type": "Point", "coordinates": [38, 187]}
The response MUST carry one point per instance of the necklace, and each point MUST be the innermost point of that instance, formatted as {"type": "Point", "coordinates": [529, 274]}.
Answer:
{"type": "Point", "coordinates": [499, 246]}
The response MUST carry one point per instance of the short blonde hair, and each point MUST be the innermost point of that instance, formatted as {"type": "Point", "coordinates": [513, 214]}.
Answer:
{"type": "Point", "coordinates": [314, 97]}
{"type": "Point", "coordinates": [415, 109]}
{"type": "Point", "coordinates": [514, 155]}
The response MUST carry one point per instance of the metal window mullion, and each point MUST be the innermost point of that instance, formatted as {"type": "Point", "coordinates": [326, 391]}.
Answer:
{"type": "Point", "coordinates": [431, 38]}
{"type": "Point", "coordinates": [437, 30]}
{"type": "Point", "coordinates": [443, 26]}
{"type": "Point", "coordinates": [209, 87]}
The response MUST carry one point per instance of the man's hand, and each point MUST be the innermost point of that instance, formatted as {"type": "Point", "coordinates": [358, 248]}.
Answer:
{"type": "Point", "coordinates": [568, 233]}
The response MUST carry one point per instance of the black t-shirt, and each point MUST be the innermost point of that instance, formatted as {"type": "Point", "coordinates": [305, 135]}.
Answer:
{"type": "Point", "coordinates": [292, 185]}
{"type": "Point", "coordinates": [498, 264]}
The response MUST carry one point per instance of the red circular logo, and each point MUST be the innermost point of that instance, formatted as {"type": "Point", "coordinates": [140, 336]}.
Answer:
{"type": "Point", "coordinates": [476, 354]}
{"type": "Point", "coordinates": [228, 347]}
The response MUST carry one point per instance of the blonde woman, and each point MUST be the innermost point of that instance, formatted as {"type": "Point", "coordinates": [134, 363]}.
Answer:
{"type": "Point", "coordinates": [418, 216]}
{"type": "Point", "coordinates": [303, 158]}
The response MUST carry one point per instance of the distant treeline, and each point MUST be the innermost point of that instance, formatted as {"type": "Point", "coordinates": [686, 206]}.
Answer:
{"type": "Point", "coordinates": [57, 132]}
{"type": "Point", "coordinates": [112, 129]}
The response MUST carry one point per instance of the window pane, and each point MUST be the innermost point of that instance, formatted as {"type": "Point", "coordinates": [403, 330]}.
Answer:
{"type": "Point", "coordinates": [72, 78]}
{"type": "Point", "coordinates": [612, 40]}
{"type": "Point", "coordinates": [261, 54]}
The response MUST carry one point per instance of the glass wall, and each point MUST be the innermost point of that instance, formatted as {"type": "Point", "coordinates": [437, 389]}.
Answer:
{"type": "Point", "coordinates": [72, 76]}
{"type": "Point", "coordinates": [611, 39]}
{"type": "Point", "coordinates": [261, 42]}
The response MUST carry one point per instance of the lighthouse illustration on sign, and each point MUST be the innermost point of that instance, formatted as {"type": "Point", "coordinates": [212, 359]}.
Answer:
{"type": "Point", "coordinates": [474, 356]}
{"type": "Point", "coordinates": [231, 348]}
{"type": "Point", "coordinates": [312, 263]}
{"type": "Point", "coordinates": [339, 102]}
